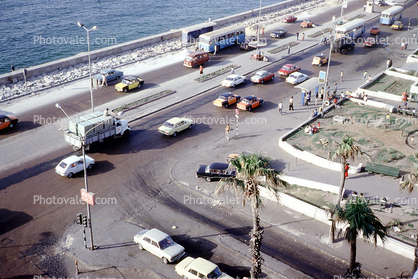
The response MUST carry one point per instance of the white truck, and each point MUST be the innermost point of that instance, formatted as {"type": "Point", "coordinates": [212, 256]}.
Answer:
{"type": "Point", "coordinates": [91, 129]}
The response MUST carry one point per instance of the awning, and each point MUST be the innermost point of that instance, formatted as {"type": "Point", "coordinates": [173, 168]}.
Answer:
{"type": "Point", "coordinates": [310, 84]}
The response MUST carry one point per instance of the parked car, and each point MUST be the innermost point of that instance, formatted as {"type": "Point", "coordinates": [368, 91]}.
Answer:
{"type": "Point", "coordinates": [289, 18]}
{"type": "Point", "coordinates": [175, 125]}
{"type": "Point", "coordinates": [129, 83]}
{"type": "Point", "coordinates": [195, 59]}
{"type": "Point", "coordinates": [370, 42]}
{"type": "Point", "coordinates": [110, 75]}
{"type": "Point", "coordinates": [73, 164]}
{"type": "Point", "coordinates": [288, 69]}
{"type": "Point", "coordinates": [379, 2]}
{"type": "Point", "coordinates": [250, 102]}
{"type": "Point", "coordinates": [296, 78]}
{"type": "Point", "coordinates": [160, 244]}
{"type": "Point", "coordinates": [233, 80]}
{"type": "Point", "coordinates": [199, 268]}
{"type": "Point", "coordinates": [375, 30]}
{"type": "Point", "coordinates": [226, 99]}
{"type": "Point", "coordinates": [215, 171]}
{"type": "Point", "coordinates": [278, 33]}
{"type": "Point", "coordinates": [397, 25]}
{"type": "Point", "coordinates": [7, 121]}
{"type": "Point", "coordinates": [262, 76]}
{"type": "Point", "coordinates": [307, 23]}
{"type": "Point", "coordinates": [319, 60]}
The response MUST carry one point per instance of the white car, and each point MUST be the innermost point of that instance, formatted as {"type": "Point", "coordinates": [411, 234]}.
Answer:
{"type": "Point", "coordinates": [199, 268]}
{"type": "Point", "coordinates": [160, 244]}
{"type": "Point", "coordinates": [233, 80]}
{"type": "Point", "coordinates": [296, 78]}
{"type": "Point", "coordinates": [72, 165]}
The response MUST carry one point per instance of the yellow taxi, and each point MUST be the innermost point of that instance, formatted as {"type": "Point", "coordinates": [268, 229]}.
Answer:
{"type": "Point", "coordinates": [397, 25]}
{"type": "Point", "coordinates": [319, 60]}
{"type": "Point", "coordinates": [250, 102]}
{"type": "Point", "coordinates": [7, 121]}
{"type": "Point", "coordinates": [226, 99]}
{"type": "Point", "coordinates": [129, 83]}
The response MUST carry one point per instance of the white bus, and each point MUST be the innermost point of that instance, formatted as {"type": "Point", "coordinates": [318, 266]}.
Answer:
{"type": "Point", "coordinates": [221, 38]}
{"type": "Point", "coordinates": [391, 15]}
{"type": "Point", "coordinates": [353, 29]}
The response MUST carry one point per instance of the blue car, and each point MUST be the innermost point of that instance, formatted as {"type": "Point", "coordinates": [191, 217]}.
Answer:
{"type": "Point", "coordinates": [110, 75]}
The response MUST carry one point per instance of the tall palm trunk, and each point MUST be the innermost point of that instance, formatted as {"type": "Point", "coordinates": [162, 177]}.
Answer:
{"type": "Point", "coordinates": [353, 244]}
{"type": "Point", "coordinates": [415, 259]}
{"type": "Point", "coordinates": [342, 180]}
{"type": "Point", "coordinates": [255, 238]}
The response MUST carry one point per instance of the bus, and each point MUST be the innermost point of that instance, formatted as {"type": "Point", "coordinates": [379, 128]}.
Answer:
{"type": "Point", "coordinates": [221, 38]}
{"type": "Point", "coordinates": [353, 29]}
{"type": "Point", "coordinates": [391, 15]}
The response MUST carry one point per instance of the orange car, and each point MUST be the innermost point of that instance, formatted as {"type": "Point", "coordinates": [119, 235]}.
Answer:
{"type": "Point", "coordinates": [306, 23]}
{"type": "Point", "coordinates": [250, 102]}
{"type": "Point", "coordinates": [375, 30]}
{"type": "Point", "coordinates": [7, 121]}
{"type": "Point", "coordinates": [226, 99]}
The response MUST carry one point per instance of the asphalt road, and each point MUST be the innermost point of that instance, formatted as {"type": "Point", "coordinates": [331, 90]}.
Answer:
{"type": "Point", "coordinates": [136, 172]}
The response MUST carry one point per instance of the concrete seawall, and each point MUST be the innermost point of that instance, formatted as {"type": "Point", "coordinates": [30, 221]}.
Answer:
{"type": "Point", "coordinates": [82, 58]}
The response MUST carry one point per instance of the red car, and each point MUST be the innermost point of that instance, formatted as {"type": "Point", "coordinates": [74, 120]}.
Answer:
{"type": "Point", "coordinates": [369, 42]}
{"type": "Point", "coordinates": [262, 76]}
{"type": "Point", "coordinates": [375, 30]}
{"type": "Point", "coordinates": [288, 69]}
{"type": "Point", "coordinates": [289, 18]}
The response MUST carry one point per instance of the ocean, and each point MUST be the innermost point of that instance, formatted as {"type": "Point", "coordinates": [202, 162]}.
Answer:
{"type": "Point", "coordinates": [39, 31]}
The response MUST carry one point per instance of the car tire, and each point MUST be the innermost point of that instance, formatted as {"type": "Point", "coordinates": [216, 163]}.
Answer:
{"type": "Point", "coordinates": [90, 167]}
{"type": "Point", "coordinates": [226, 106]}
{"type": "Point", "coordinates": [126, 134]}
{"type": "Point", "coordinates": [139, 85]}
{"type": "Point", "coordinates": [165, 260]}
{"type": "Point", "coordinates": [117, 78]}
{"type": "Point", "coordinates": [250, 108]}
{"type": "Point", "coordinates": [208, 179]}
{"type": "Point", "coordinates": [190, 126]}
{"type": "Point", "coordinates": [70, 175]}
{"type": "Point", "coordinates": [140, 247]}
{"type": "Point", "coordinates": [125, 90]}
{"type": "Point", "coordinates": [262, 81]}
{"type": "Point", "coordinates": [11, 126]}
{"type": "Point", "coordinates": [174, 134]}
{"type": "Point", "coordinates": [272, 78]}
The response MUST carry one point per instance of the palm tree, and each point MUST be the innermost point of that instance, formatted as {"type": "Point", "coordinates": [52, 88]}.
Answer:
{"type": "Point", "coordinates": [361, 219]}
{"type": "Point", "coordinates": [252, 169]}
{"type": "Point", "coordinates": [346, 150]}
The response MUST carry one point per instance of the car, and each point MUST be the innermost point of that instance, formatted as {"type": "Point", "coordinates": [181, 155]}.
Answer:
{"type": "Point", "coordinates": [160, 244]}
{"type": "Point", "coordinates": [379, 3]}
{"type": "Point", "coordinates": [288, 69]}
{"type": "Point", "coordinates": [129, 83]}
{"type": "Point", "coordinates": [226, 99]}
{"type": "Point", "coordinates": [245, 45]}
{"type": "Point", "coordinates": [73, 164]}
{"type": "Point", "coordinates": [262, 76]}
{"type": "Point", "coordinates": [397, 25]}
{"type": "Point", "coordinates": [307, 23]}
{"type": "Point", "coordinates": [370, 42]}
{"type": "Point", "coordinates": [289, 18]}
{"type": "Point", "coordinates": [215, 171]}
{"type": "Point", "coordinates": [7, 121]}
{"type": "Point", "coordinates": [319, 60]}
{"type": "Point", "coordinates": [110, 74]}
{"type": "Point", "coordinates": [233, 80]}
{"type": "Point", "coordinates": [375, 30]}
{"type": "Point", "coordinates": [343, 45]}
{"type": "Point", "coordinates": [199, 268]}
{"type": "Point", "coordinates": [175, 125]}
{"type": "Point", "coordinates": [296, 78]}
{"type": "Point", "coordinates": [249, 102]}
{"type": "Point", "coordinates": [194, 59]}
{"type": "Point", "coordinates": [278, 33]}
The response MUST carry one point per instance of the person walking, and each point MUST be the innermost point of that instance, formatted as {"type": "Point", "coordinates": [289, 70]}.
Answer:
{"type": "Point", "coordinates": [333, 19]}
{"type": "Point", "coordinates": [288, 49]}
{"type": "Point", "coordinates": [346, 168]}
{"type": "Point", "coordinates": [232, 71]}
{"type": "Point", "coordinates": [281, 108]}
{"type": "Point", "coordinates": [320, 111]}
{"type": "Point", "coordinates": [335, 87]}
{"type": "Point", "coordinates": [227, 128]}
{"type": "Point", "coordinates": [342, 76]}
{"type": "Point", "coordinates": [13, 68]}
{"type": "Point", "coordinates": [302, 37]}
{"type": "Point", "coordinates": [316, 97]}
{"type": "Point", "coordinates": [104, 81]}
{"type": "Point", "coordinates": [214, 52]}
{"type": "Point", "coordinates": [369, 78]}
{"type": "Point", "coordinates": [297, 36]}
{"type": "Point", "coordinates": [291, 103]}
{"type": "Point", "coordinates": [388, 63]}
{"type": "Point", "coordinates": [365, 75]}
{"type": "Point", "coordinates": [201, 70]}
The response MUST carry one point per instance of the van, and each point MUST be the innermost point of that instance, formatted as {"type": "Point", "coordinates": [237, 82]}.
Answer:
{"type": "Point", "coordinates": [195, 59]}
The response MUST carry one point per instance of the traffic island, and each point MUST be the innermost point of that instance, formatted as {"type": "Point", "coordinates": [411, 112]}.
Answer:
{"type": "Point", "coordinates": [216, 73]}
{"type": "Point", "coordinates": [143, 101]}
{"type": "Point", "coordinates": [283, 47]}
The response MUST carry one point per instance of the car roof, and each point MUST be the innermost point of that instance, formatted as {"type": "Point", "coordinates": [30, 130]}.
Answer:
{"type": "Point", "coordinates": [232, 76]}
{"type": "Point", "coordinates": [156, 234]}
{"type": "Point", "coordinates": [129, 77]}
{"type": "Point", "coordinates": [262, 71]}
{"type": "Point", "coordinates": [175, 120]}
{"type": "Point", "coordinates": [250, 97]}
{"type": "Point", "coordinates": [197, 53]}
{"type": "Point", "coordinates": [319, 55]}
{"type": "Point", "coordinates": [202, 265]}
{"type": "Point", "coordinates": [227, 94]}
{"type": "Point", "coordinates": [288, 65]}
{"type": "Point", "coordinates": [298, 74]}
{"type": "Point", "coordinates": [71, 159]}
{"type": "Point", "coordinates": [3, 115]}
{"type": "Point", "coordinates": [279, 29]}
{"type": "Point", "coordinates": [107, 70]}
{"type": "Point", "coordinates": [218, 166]}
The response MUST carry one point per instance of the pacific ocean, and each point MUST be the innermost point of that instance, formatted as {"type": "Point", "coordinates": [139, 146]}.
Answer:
{"type": "Point", "coordinates": [39, 31]}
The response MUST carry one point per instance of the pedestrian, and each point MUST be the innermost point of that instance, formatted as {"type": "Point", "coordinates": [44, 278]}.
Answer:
{"type": "Point", "coordinates": [316, 97]}
{"type": "Point", "coordinates": [335, 87]}
{"type": "Point", "coordinates": [106, 112]}
{"type": "Point", "coordinates": [333, 19]}
{"type": "Point", "coordinates": [302, 37]}
{"type": "Point", "coordinates": [227, 128]}
{"type": "Point", "coordinates": [319, 125]}
{"type": "Point", "coordinates": [370, 78]}
{"type": "Point", "coordinates": [309, 95]}
{"type": "Point", "coordinates": [291, 103]}
{"type": "Point", "coordinates": [214, 52]}
{"type": "Point", "coordinates": [281, 108]}
{"type": "Point", "coordinates": [388, 118]}
{"type": "Point", "coordinates": [104, 80]}
{"type": "Point", "coordinates": [25, 73]}
{"type": "Point", "coordinates": [232, 71]}
{"type": "Point", "coordinates": [297, 36]}
{"type": "Point", "coordinates": [406, 45]}
{"type": "Point", "coordinates": [321, 111]}
{"type": "Point", "coordinates": [388, 64]}
{"type": "Point", "coordinates": [412, 140]}
{"type": "Point", "coordinates": [346, 168]}
{"type": "Point", "coordinates": [402, 45]}
{"type": "Point", "coordinates": [13, 68]}
{"type": "Point", "coordinates": [342, 96]}
{"type": "Point", "coordinates": [288, 49]}
{"type": "Point", "coordinates": [201, 70]}
{"type": "Point", "coordinates": [342, 75]}
{"type": "Point", "coordinates": [365, 98]}
{"type": "Point", "coordinates": [365, 75]}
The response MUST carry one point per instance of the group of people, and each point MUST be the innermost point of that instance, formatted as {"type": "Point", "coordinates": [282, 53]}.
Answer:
{"type": "Point", "coordinates": [312, 129]}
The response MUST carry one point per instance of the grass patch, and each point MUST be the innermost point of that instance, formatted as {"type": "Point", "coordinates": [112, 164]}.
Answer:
{"type": "Point", "coordinates": [143, 101]}
{"type": "Point", "coordinates": [389, 155]}
{"type": "Point", "coordinates": [216, 73]}
{"type": "Point", "coordinates": [283, 47]}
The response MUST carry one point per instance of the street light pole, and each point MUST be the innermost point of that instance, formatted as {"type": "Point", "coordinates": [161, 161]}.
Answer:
{"type": "Point", "coordinates": [86, 186]}
{"type": "Point", "coordinates": [88, 46]}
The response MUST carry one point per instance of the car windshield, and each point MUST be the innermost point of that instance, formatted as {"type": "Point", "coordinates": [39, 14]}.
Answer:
{"type": "Point", "coordinates": [229, 78]}
{"type": "Point", "coordinates": [259, 73]}
{"type": "Point", "coordinates": [165, 242]}
{"type": "Point", "coordinates": [246, 101]}
{"type": "Point", "coordinates": [215, 273]}
{"type": "Point", "coordinates": [222, 98]}
{"type": "Point", "coordinates": [285, 68]}
{"type": "Point", "coordinates": [125, 81]}
{"type": "Point", "coordinates": [168, 124]}
{"type": "Point", "coordinates": [63, 165]}
{"type": "Point", "coordinates": [293, 76]}
{"type": "Point", "coordinates": [188, 58]}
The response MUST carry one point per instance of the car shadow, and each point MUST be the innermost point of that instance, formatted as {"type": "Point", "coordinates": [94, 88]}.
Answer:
{"type": "Point", "coordinates": [196, 246]}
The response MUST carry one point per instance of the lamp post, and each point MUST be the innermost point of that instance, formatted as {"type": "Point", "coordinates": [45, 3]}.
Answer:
{"type": "Point", "coordinates": [88, 45]}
